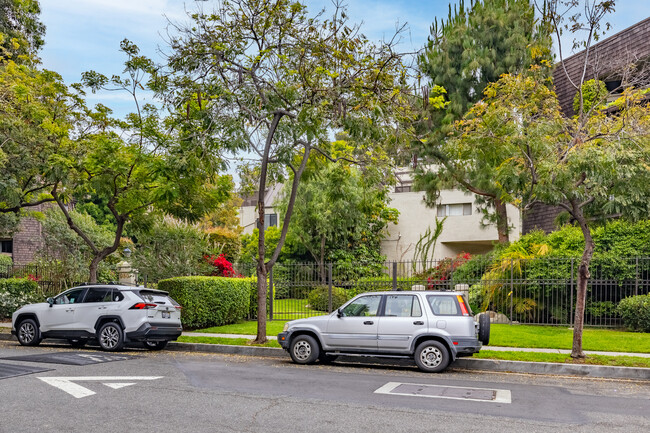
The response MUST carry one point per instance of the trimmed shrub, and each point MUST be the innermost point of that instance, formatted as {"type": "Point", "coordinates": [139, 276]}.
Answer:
{"type": "Point", "coordinates": [319, 298]}
{"type": "Point", "coordinates": [16, 292]}
{"type": "Point", "coordinates": [635, 312]}
{"type": "Point", "coordinates": [210, 301]}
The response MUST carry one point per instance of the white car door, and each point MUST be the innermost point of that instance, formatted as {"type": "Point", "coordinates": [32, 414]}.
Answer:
{"type": "Point", "coordinates": [61, 314]}
{"type": "Point", "coordinates": [357, 326]}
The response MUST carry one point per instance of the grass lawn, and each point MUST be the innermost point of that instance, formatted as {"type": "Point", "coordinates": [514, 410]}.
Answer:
{"type": "Point", "coordinates": [550, 337]}
{"type": "Point", "coordinates": [556, 337]}
{"type": "Point", "coordinates": [615, 361]}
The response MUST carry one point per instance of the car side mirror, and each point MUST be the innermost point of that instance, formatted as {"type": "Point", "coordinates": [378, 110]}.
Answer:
{"type": "Point", "coordinates": [339, 313]}
{"type": "Point", "coordinates": [50, 301]}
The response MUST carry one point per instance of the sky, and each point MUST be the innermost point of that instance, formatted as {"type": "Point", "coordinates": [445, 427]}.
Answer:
{"type": "Point", "coordinates": [85, 35]}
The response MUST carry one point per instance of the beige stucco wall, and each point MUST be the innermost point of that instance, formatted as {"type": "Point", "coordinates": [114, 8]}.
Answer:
{"type": "Point", "coordinates": [461, 233]}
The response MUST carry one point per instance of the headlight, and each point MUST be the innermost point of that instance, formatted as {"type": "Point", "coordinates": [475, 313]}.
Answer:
{"type": "Point", "coordinates": [286, 327]}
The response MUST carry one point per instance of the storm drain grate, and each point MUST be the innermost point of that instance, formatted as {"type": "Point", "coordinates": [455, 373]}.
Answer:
{"type": "Point", "coordinates": [9, 370]}
{"type": "Point", "coordinates": [448, 392]}
{"type": "Point", "coordinates": [71, 358]}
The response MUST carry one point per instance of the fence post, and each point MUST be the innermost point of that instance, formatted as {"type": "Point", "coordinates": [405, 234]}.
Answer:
{"type": "Point", "coordinates": [636, 278]}
{"type": "Point", "coordinates": [329, 277]}
{"type": "Point", "coordinates": [512, 290]}
{"type": "Point", "coordinates": [270, 291]}
{"type": "Point", "coordinates": [395, 277]}
{"type": "Point", "coordinates": [572, 289]}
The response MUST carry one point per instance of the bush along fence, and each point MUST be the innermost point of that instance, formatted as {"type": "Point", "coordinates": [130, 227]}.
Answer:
{"type": "Point", "coordinates": [528, 291]}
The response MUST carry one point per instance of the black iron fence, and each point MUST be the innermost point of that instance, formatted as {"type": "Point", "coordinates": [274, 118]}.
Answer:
{"type": "Point", "coordinates": [530, 291]}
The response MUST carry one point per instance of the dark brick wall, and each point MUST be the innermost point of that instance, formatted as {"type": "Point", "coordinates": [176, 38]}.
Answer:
{"type": "Point", "coordinates": [27, 241]}
{"type": "Point", "coordinates": [541, 217]}
{"type": "Point", "coordinates": [606, 59]}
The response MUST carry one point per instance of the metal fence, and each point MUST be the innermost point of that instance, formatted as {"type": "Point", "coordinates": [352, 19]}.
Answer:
{"type": "Point", "coordinates": [534, 291]}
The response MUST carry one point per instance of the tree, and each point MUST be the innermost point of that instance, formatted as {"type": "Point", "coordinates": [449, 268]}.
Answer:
{"type": "Point", "coordinates": [21, 31]}
{"type": "Point", "coordinates": [340, 210]}
{"type": "Point", "coordinates": [473, 48]}
{"type": "Point", "coordinates": [261, 75]}
{"type": "Point", "coordinates": [150, 169]}
{"type": "Point", "coordinates": [595, 166]}
{"type": "Point", "coordinates": [37, 115]}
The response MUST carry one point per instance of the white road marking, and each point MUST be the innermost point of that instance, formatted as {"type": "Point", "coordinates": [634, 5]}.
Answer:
{"type": "Point", "coordinates": [501, 395]}
{"type": "Point", "coordinates": [118, 385]}
{"type": "Point", "coordinates": [67, 383]}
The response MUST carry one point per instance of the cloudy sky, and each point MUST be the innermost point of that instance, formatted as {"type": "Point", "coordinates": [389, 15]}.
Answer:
{"type": "Point", "coordinates": [85, 34]}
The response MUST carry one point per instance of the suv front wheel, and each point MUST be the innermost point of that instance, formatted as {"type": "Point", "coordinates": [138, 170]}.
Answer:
{"type": "Point", "coordinates": [432, 356]}
{"type": "Point", "coordinates": [110, 337]}
{"type": "Point", "coordinates": [304, 350]}
{"type": "Point", "coordinates": [28, 333]}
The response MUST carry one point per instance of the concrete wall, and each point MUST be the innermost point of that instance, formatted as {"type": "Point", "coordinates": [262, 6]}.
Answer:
{"type": "Point", "coordinates": [462, 233]}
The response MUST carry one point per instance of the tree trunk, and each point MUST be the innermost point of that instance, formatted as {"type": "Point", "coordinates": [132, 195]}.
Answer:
{"type": "Point", "coordinates": [583, 279]}
{"type": "Point", "coordinates": [261, 306]}
{"type": "Point", "coordinates": [94, 264]}
{"type": "Point", "coordinates": [502, 221]}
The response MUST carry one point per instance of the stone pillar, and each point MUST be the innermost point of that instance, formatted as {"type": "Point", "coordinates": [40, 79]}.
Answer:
{"type": "Point", "coordinates": [126, 274]}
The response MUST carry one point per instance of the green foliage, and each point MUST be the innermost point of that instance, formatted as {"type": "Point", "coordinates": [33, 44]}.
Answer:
{"type": "Point", "coordinates": [224, 241]}
{"type": "Point", "coordinates": [594, 94]}
{"type": "Point", "coordinates": [382, 284]}
{"type": "Point", "coordinates": [65, 255]}
{"type": "Point", "coordinates": [16, 292]}
{"type": "Point", "coordinates": [635, 312]}
{"type": "Point", "coordinates": [5, 263]}
{"type": "Point", "coordinates": [21, 31]}
{"type": "Point", "coordinates": [319, 298]}
{"type": "Point", "coordinates": [426, 245]}
{"type": "Point", "coordinates": [210, 301]}
{"type": "Point", "coordinates": [171, 248]}
{"type": "Point", "coordinates": [292, 250]}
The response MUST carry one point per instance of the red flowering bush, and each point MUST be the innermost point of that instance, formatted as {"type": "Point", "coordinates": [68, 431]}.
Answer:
{"type": "Point", "coordinates": [222, 267]}
{"type": "Point", "coordinates": [31, 277]}
{"type": "Point", "coordinates": [444, 270]}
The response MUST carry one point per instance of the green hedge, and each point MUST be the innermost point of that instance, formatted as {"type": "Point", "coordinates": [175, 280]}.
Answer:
{"type": "Point", "coordinates": [210, 301]}
{"type": "Point", "coordinates": [16, 292]}
{"type": "Point", "coordinates": [319, 298]}
{"type": "Point", "coordinates": [382, 284]}
{"type": "Point", "coordinates": [635, 312]}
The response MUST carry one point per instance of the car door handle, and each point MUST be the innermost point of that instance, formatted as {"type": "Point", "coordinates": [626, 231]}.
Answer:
{"type": "Point", "coordinates": [418, 322]}
{"type": "Point", "coordinates": [368, 322]}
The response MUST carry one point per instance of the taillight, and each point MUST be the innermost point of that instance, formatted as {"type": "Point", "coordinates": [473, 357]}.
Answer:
{"type": "Point", "coordinates": [463, 307]}
{"type": "Point", "coordinates": [143, 306]}
{"type": "Point", "coordinates": [178, 307]}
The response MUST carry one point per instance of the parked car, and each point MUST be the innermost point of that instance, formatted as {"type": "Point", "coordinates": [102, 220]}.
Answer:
{"type": "Point", "coordinates": [111, 314]}
{"type": "Point", "coordinates": [431, 327]}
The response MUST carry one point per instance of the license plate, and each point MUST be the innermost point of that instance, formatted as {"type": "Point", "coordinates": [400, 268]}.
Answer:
{"type": "Point", "coordinates": [166, 315]}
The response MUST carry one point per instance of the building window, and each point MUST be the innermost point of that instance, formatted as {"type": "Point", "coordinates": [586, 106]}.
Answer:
{"type": "Point", "coordinates": [457, 209]}
{"type": "Point", "coordinates": [270, 219]}
{"type": "Point", "coordinates": [7, 246]}
{"type": "Point", "coordinates": [403, 188]}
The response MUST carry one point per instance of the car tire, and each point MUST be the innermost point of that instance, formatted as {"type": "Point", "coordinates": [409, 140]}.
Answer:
{"type": "Point", "coordinates": [155, 345]}
{"type": "Point", "coordinates": [77, 342]}
{"type": "Point", "coordinates": [304, 349]}
{"type": "Point", "coordinates": [28, 333]}
{"type": "Point", "coordinates": [110, 337]}
{"type": "Point", "coordinates": [431, 356]}
{"type": "Point", "coordinates": [327, 359]}
{"type": "Point", "coordinates": [484, 328]}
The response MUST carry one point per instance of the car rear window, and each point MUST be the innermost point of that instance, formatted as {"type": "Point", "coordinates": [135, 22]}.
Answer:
{"type": "Point", "coordinates": [444, 305]}
{"type": "Point", "coordinates": [155, 297]}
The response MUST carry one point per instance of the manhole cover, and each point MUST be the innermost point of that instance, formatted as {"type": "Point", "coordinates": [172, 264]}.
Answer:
{"type": "Point", "coordinates": [449, 392]}
{"type": "Point", "coordinates": [9, 370]}
{"type": "Point", "coordinates": [72, 358]}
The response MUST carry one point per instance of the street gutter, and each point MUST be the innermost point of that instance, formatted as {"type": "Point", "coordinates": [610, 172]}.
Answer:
{"type": "Point", "coordinates": [546, 368]}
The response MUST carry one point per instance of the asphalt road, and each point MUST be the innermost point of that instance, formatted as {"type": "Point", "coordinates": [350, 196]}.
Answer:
{"type": "Point", "coordinates": [189, 392]}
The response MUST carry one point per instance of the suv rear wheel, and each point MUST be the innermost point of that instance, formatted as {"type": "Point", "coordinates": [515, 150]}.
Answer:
{"type": "Point", "coordinates": [304, 349]}
{"type": "Point", "coordinates": [28, 333]}
{"type": "Point", "coordinates": [432, 356]}
{"type": "Point", "coordinates": [110, 337]}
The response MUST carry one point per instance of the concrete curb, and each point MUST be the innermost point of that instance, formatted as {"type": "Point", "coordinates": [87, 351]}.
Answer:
{"type": "Point", "coordinates": [547, 368]}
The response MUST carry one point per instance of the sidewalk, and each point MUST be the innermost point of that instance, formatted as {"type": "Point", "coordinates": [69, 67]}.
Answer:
{"type": "Point", "coordinates": [494, 348]}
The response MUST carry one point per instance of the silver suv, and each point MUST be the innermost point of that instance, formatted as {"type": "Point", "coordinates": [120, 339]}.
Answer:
{"type": "Point", "coordinates": [111, 314]}
{"type": "Point", "coordinates": [433, 328]}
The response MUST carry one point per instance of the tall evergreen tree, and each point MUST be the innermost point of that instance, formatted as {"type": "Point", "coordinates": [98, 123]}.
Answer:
{"type": "Point", "coordinates": [472, 48]}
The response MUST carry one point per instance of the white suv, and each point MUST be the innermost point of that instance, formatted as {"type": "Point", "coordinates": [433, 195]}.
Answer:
{"type": "Point", "coordinates": [111, 314]}
{"type": "Point", "coordinates": [431, 327]}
